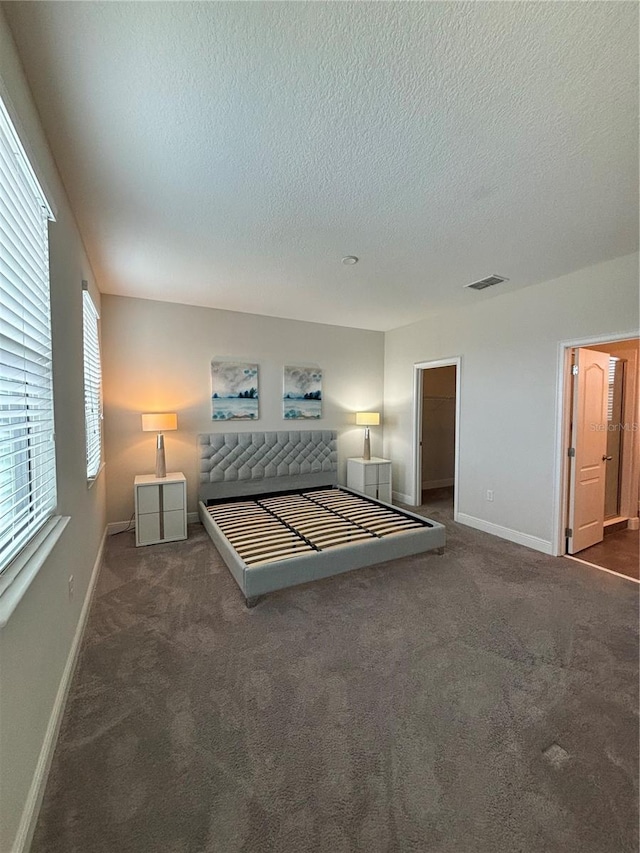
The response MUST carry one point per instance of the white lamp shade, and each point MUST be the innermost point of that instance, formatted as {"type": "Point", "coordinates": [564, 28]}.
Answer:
{"type": "Point", "coordinates": [162, 422]}
{"type": "Point", "coordinates": [367, 418]}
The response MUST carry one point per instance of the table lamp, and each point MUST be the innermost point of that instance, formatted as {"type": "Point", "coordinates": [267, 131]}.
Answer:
{"type": "Point", "coordinates": [367, 419]}
{"type": "Point", "coordinates": [160, 423]}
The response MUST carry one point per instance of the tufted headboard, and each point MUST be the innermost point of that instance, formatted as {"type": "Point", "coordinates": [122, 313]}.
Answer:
{"type": "Point", "coordinates": [235, 464]}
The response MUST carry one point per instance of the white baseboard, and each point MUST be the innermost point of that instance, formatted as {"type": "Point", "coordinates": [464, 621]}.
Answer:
{"type": "Point", "coordinates": [119, 527]}
{"type": "Point", "coordinates": [26, 828]}
{"type": "Point", "coordinates": [400, 497]}
{"type": "Point", "coordinates": [506, 533]}
{"type": "Point", "coordinates": [437, 484]}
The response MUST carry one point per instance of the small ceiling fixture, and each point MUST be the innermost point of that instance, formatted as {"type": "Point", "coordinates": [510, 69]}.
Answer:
{"type": "Point", "coordinates": [489, 281]}
{"type": "Point", "coordinates": [350, 260]}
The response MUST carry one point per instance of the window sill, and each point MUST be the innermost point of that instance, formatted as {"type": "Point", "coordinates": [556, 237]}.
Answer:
{"type": "Point", "coordinates": [92, 480]}
{"type": "Point", "coordinates": [17, 578]}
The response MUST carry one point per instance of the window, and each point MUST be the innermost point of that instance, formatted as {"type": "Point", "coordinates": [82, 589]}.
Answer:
{"type": "Point", "coordinates": [27, 448]}
{"type": "Point", "coordinates": [92, 384]}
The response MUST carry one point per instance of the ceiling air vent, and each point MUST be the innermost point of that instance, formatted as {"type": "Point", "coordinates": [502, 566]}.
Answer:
{"type": "Point", "coordinates": [489, 281]}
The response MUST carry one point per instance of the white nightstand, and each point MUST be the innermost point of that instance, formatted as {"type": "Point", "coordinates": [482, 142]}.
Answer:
{"type": "Point", "coordinates": [372, 477]}
{"type": "Point", "coordinates": [161, 508]}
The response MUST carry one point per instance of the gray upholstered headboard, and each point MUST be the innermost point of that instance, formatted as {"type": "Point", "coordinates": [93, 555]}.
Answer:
{"type": "Point", "coordinates": [234, 464]}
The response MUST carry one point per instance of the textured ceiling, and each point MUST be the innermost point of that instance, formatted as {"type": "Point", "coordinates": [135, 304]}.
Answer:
{"type": "Point", "coordinates": [229, 154]}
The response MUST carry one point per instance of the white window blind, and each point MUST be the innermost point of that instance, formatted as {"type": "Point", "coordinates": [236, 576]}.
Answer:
{"type": "Point", "coordinates": [613, 362]}
{"type": "Point", "coordinates": [92, 384]}
{"type": "Point", "coordinates": [27, 449]}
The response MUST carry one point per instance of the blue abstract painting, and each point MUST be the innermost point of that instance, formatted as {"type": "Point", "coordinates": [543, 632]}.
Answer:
{"type": "Point", "coordinates": [302, 393]}
{"type": "Point", "coordinates": [234, 391]}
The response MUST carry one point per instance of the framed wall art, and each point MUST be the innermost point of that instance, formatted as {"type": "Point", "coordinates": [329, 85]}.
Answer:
{"type": "Point", "coordinates": [234, 391]}
{"type": "Point", "coordinates": [302, 399]}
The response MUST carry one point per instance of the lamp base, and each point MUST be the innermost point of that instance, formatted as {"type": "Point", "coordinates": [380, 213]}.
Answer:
{"type": "Point", "coordinates": [161, 465]}
{"type": "Point", "coordinates": [366, 453]}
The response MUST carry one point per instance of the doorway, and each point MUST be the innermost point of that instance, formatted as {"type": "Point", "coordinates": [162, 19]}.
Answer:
{"type": "Point", "coordinates": [602, 456]}
{"type": "Point", "coordinates": [437, 416]}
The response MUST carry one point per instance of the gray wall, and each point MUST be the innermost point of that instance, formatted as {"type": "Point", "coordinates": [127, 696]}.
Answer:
{"type": "Point", "coordinates": [35, 644]}
{"type": "Point", "coordinates": [509, 346]}
{"type": "Point", "coordinates": [157, 357]}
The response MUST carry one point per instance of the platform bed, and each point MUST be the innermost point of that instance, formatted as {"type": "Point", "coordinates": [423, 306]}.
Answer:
{"type": "Point", "coordinates": [272, 535]}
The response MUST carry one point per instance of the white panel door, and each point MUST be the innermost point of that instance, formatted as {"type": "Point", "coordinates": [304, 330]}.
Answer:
{"type": "Point", "coordinates": [589, 439]}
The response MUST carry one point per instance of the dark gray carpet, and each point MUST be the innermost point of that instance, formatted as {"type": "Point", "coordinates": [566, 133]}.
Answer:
{"type": "Point", "coordinates": [481, 701]}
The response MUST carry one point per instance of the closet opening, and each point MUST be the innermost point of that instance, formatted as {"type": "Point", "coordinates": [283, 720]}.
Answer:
{"type": "Point", "coordinates": [437, 404]}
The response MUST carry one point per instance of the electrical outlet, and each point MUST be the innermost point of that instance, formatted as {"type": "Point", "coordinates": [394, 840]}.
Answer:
{"type": "Point", "coordinates": [71, 587]}
{"type": "Point", "coordinates": [489, 494]}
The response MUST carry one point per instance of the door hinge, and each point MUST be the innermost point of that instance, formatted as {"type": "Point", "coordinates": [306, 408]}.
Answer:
{"type": "Point", "coordinates": [568, 532]}
{"type": "Point", "coordinates": [574, 369]}
{"type": "Point", "coordinates": [572, 452]}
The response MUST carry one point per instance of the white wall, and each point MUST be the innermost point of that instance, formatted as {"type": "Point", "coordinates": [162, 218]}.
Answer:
{"type": "Point", "coordinates": [36, 642]}
{"type": "Point", "coordinates": [509, 351]}
{"type": "Point", "coordinates": [157, 357]}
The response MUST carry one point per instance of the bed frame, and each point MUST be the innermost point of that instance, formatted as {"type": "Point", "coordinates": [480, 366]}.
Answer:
{"type": "Point", "coordinates": [270, 503]}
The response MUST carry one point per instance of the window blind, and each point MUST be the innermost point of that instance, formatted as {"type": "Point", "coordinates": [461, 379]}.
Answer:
{"type": "Point", "coordinates": [27, 448]}
{"type": "Point", "coordinates": [613, 364]}
{"type": "Point", "coordinates": [92, 384]}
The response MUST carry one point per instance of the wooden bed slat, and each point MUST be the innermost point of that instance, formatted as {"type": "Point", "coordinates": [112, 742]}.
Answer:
{"type": "Point", "coordinates": [218, 512]}
{"type": "Point", "coordinates": [303, 516]}
{"type": "Point", "coordinates": [240, 517]}
{"type": "Point", "coordinates": [363, 512]}
{"type": "Point", "coordinates": [230, 523]}
{"type": "Point", "coordinates": [272, 553]}
{"type": "Point", "coordinates": [254, 563]}
{"type": "Point", "coordinates": [335, 539]}
{"type": "Point", "coordinates": [396, 526]}
{"type": "Point", "coordinates": [283, 535]}
{"type": "Point", "coordinates": [262, 549]}
{"type": "Point", "coordinates": [311, 523]}
{"type": "Point", "coordinates": [319, 526]}
{"type": "Point", "coordinates": [379, 520]}
{"type": "Point", "coordinates": [256, 529]}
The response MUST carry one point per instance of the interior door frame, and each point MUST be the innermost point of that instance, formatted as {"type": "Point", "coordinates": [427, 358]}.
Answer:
{"type": "Point", "coordinates": [563, 430]}
{"type": "Point", "coordinates": [455, 361]}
